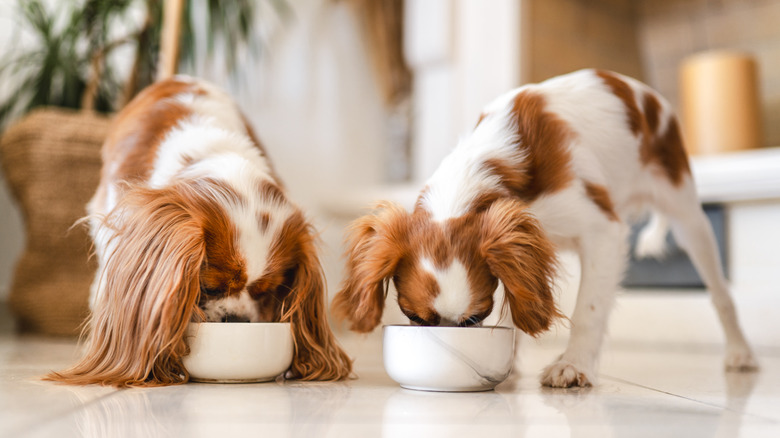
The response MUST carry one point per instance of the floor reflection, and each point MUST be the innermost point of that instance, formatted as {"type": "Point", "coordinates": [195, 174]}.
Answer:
{"type": "Point", "coordinates": [279, 409]}
{"type": "Point", "coordinates": [129, 413]}
{"type": "Point", "coordinates": [583, 408]}
{"type": "Point", "coordinates": [739, 388]}
{"type": "Point", "coordinates": [641, 393]}
{"type": "Point", "coordinates": [440, 414]}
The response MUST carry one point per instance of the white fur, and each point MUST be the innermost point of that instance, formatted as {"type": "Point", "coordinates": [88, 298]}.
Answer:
{"type": "Point", "coordinates": [604, 151]}
{"type": "Point", "coordinates": [651, 241]}
{"type": "Point", "coordinates": [454, 296]}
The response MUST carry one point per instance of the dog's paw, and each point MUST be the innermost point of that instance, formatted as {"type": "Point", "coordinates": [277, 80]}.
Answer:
{"type": "Point", "coordinates": [563, 374]}
{"type": "Point", "coordinates": [740, 360]}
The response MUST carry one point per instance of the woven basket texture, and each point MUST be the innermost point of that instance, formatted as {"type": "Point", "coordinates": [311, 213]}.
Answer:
{"type": "Point", "coordinates": [51, 160]}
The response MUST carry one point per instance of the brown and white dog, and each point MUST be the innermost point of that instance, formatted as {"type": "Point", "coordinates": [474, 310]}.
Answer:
{"type": "Point", "coordinates": [190, 223]}
{"type": "Point", "coordinates": [564, 164]}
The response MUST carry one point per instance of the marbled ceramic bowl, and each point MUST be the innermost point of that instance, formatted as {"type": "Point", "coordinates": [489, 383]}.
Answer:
{"type": "Point", "coordinates": [238, 352]}
{"type": "Point", "coordinates": [448, 358]}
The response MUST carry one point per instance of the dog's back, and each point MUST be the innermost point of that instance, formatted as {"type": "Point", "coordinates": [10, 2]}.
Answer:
{"type": "Point", "coordinates": [167, 127]}
{"type": "Point", "coordinates": [589, 132]}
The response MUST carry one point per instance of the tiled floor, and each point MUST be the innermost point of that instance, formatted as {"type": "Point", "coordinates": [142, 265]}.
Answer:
{"type": "Point", "coordinates": [644, 390]}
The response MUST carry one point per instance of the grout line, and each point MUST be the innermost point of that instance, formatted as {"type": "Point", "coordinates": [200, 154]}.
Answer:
{"type": "Point", "coordinates": [713, 405]}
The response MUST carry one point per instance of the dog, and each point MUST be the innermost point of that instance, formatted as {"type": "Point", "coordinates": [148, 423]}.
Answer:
{"type": "Point", "coordinates": [564, 164]}
{"type": "Point", "coordinates": [191, 223]}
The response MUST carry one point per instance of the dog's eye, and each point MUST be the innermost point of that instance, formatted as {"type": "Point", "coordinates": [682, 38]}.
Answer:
{"type": "Point", "coordinates": [210, 291]}
{"type": "Point", "coordinates": [470, 321]}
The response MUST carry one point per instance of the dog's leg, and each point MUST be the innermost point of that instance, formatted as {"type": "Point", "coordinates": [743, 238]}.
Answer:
{"type": "Point", "coordinates": [602, 259]}
{"type": "Point", "coordinates": [102, 246]}
{"type": "Point", "coordinates": [693, 232]}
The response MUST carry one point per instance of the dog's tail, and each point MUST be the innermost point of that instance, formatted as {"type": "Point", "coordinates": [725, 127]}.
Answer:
{"type": "Point", "coordinates": [651, 241]}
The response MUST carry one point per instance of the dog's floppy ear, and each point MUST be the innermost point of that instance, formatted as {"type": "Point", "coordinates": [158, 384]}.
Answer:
{"type": "Point", "coordinates": [148, 289]}
{"type": "Point", "coordinates": [375, 245]}
{"type": "Point", "coordinates": [520, 255]}
{"type": "Point", "coordinates": [317, 354]}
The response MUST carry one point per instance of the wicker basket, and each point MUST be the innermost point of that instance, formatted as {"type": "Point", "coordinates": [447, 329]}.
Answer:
{"type": "Point", "coordinates": [51, 159]}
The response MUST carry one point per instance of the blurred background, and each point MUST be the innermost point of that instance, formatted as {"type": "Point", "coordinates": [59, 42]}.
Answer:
{"type": "Point", "coordinates": [359, 100]}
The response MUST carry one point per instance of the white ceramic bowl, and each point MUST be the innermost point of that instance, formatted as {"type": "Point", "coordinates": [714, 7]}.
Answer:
{"type": "Point", "coordinates": [448, 358]}
{"type": "Point", "coordinates": [238, 352]}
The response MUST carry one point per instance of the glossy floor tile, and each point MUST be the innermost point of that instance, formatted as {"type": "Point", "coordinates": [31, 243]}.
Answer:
{"type": "Point", "coordinates": [644, 390]}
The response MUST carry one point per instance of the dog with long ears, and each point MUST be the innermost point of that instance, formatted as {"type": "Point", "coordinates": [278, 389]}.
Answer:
{"type": "Point", "coordinates": [564, 164]}
{"type": "Point", "coordinates": [191, 223]}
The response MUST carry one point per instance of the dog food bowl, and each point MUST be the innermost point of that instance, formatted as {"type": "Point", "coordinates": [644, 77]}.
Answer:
{"type": "Point", "coordinates": [238, 352]}
{"type": "Point", "coordinates": [450, 359]}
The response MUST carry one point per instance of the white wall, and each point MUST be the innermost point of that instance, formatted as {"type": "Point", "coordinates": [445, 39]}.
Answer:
{"type": "Point", "coordinates": [463, 54]}
{"type": "Point", "coordinates": [313, 101]}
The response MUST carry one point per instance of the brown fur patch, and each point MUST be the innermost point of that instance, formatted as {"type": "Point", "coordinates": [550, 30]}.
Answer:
{"type": "Point", "coordinates": [543, 139]}
{"type": "Point", "coordinates": [141, 126]}
{"type": "Point", "coordinates": [668, 153]}
{"type": "Point", "coordinates": [375, 245]}
{"type": "Point", "coordinates": [271, 192]}
{"type": "Point", "coordinates": [423, 194]}
{"type": "Point", "coordinates": [419, 288]}
{"type": "Point", "coordinates": [600, 196]}
{"type": "Point", "coordinates": [484, 200]}
{"type": "Point", "coordinates": [139, 143]}
{"type": "Point", "coordinates": [465, 235]}
{"type": "Point", "coordinates": [263, 219]}
{"type": "Point", "coordinates": [663, 149]}
{"type": "Point", "coordinates": [652, 109]}
{"type": "Point", "coordinates": [481, 118]}
{"type": "Point", "coordinates": [625, 93]}
{"type": "Point", "coordinates": [514, 180]}
{"type": "Point", "coordinates": [520, 255]}
{"type": "Point", "coordinates": [224, 268]}
{"type": "Point", "coordinates": [282, 258]}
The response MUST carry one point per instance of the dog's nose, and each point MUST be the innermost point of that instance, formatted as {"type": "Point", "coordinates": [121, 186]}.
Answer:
{"type": "Point", "coordinates": [232, 317]}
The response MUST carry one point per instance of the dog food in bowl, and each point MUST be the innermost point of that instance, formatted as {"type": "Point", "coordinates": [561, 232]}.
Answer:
{"type": "Point", "coordinates": [238, 352]}
{"type": "Point", "coordinates": [448, 358]}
